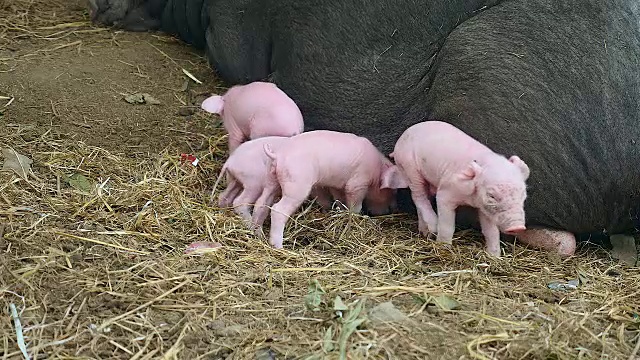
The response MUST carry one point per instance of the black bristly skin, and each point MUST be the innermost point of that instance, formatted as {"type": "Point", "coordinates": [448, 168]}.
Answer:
{"type": "Point", "coordinates": [132, 15]}
{"type": "Point", "coordinates": [554, 82]}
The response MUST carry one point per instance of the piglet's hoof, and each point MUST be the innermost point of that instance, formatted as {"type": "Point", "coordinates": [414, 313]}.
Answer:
{"type": "Point", "coordinates": [276, 243]}
{"type": "Point", "coordinates": [258, 232]}
{"type": "Point", "coordinates": [493, 252]}
{"type": "Point", "coordinates": [423, 229]}
{"type": "Point", "coordinates": [443, 240]}
{"type": "Point", "coordinates": [561, 242]}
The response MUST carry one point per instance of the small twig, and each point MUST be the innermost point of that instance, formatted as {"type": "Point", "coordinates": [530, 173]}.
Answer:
{"type": "Point", "coordinates": [2, 242]}
{"type": "Point", "coordinates": [66, 25]}
{"type": "Point", "coordinates": [122, 316]}
{"type": "Point", "coordinates": [445, 273]}
{"type": "Point", "coordinates": [308, 269]}
{"type": "Point", "coordinates": [19, 278]}
{"type": "Point", "coordinates": [58, 185]}
{"type": "Point", "coordinates": [75, 317]}
{"type": "Point", "coordinates": [100, 243]}
{"type": "Point", "coordinates": [191, 76]}
{"type": "Point", "coordinates": [163, 53]}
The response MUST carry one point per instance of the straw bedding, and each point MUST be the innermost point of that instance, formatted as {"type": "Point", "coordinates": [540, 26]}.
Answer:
{"type": "Point", "coordinates": [95, 264]}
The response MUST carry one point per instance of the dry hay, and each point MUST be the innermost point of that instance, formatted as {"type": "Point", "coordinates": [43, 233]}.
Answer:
{"type": "Point", "coordinates": [102, 274]}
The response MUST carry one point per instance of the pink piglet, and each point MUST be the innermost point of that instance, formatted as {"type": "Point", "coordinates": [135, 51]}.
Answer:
{"type": "Point", "coordinates": [249, 181]}
{"type": "Point", "coordinates": [255, 110]}
{"type": "Point", "coordinates": [436, 158]}
{"type": "Point", "coordinates": [349, 164]}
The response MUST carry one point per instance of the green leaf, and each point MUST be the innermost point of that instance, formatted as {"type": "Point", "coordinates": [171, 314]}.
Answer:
{"type": "Point", "coordinates": [419, 299]}
{"type": "Point", "coordinates": [80, 182]}
{"type": "Point", "coordinates": [313, 299]}
{"type": "Point", "coordinates": [350, 324]}
{"type": "Point", "coordinates": [327, 342]}
{"type": "Point", "coordinates": [563, 286]}
{"type": "Point", "coordinates": [265, 354]}
{"type": "Point", "coordinates": [338, 304]}
{"type": "Point", "coordinates": [446, 302]}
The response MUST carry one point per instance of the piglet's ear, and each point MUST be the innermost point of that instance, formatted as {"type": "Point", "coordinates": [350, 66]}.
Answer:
{"type": "Point", "coordinates": [393, 178]}
{"type": "Point", "coordinates": [524, 169]}
{"type": "Point", "coordinates": [213, 104]}
{"type": "Point", "coordinates": [471, 171]}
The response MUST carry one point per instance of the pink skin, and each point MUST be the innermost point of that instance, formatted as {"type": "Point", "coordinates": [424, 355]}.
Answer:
{"type": "Point", "coordinates": [255, 110]}
{"type": "Point", "coordinates": [325, 159]}
{"type": "Point", "coordinates": [250, 180]}
{"type": "Point", "coordinates": [326, 196]}
{"type": "Point", "coordinates": [561, 242]}
{"type": "Point", "coordinates": [201, 245]}
{"type": "Point", "coordinates": [434, 157]}
{"type": "Point", "coordinates": [381, 200]}
{"type": "Point", "coordinates": [378, 201]}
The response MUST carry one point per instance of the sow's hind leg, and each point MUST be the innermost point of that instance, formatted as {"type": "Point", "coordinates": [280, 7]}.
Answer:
{"type": "Point", "coordinates": [560, 242]}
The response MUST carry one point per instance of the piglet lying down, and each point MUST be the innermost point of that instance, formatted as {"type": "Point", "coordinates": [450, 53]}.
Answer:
{"type": "Point", "coordinates": [322, 159]}
{"type": "Point", "coordinates": [436, 158]}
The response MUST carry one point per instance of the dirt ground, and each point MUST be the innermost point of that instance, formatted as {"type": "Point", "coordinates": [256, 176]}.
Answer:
{"type": "Point", "coordinates": [95, 269]}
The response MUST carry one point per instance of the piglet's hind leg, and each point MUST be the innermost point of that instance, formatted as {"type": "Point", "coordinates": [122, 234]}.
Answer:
{"type": "Point", "coordinates": [280, 213]}
{"type": "Point", "coordinates": [242, 204]}
{"type": "Point", "coordinates": [235, 140]}
{"type": "Point", "coordinates": [229, 194]}
{"type": "Point", "coordinates": [261, 209]}
{"type": "Point", "coordinates": [293, 195]}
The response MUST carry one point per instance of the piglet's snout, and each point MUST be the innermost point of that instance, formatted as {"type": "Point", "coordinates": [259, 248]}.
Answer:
{"type": "Point", "coordinates": [512, 223]}
{"type": "Point", "coordinates": [515, 230]}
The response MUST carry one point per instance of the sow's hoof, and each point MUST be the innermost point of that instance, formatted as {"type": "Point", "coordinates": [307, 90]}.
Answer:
{"type": "Point", "coordinates": [561, 242]}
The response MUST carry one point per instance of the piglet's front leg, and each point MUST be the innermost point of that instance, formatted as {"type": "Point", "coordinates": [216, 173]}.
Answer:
{"type": "Point", "coordinates": [427, 218]}
{"type": "Point", "coordinates": [491, 235]}
{"type": "Point", "coordinates": [446, 219]}
{"type": "Point", "coordinates": [236, 137]}
{"type": "Point", "coordinates": [323, 198]}
{"type": "Point", "coordinates": [355, 195]}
